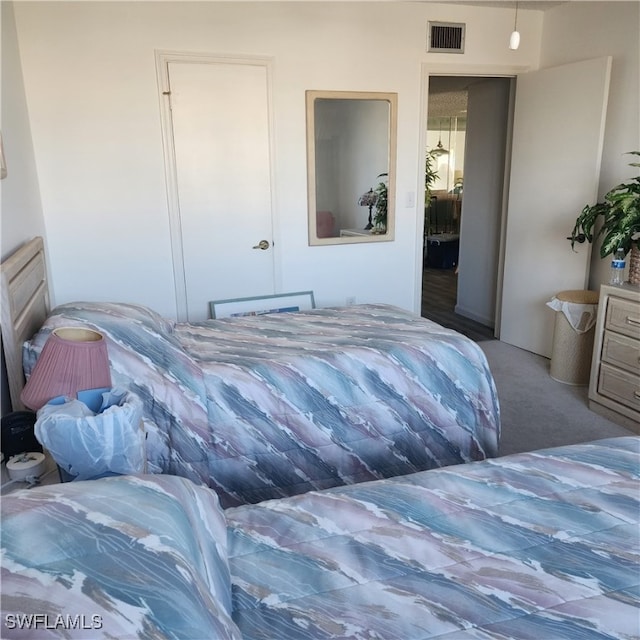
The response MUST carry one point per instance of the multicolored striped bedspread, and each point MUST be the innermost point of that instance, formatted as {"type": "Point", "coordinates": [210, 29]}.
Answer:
{"type": "Point", "coordinates": [542, 545]}
{"type": "Point", "coordinates": [261, 407]}
{"type": "Point", "coordinates": [120, 558]}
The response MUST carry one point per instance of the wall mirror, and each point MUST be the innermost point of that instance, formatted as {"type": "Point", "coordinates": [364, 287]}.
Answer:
{"type": "Point", "coordinates": [351, 162]}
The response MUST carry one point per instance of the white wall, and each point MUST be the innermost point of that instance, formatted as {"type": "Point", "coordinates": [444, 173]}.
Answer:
{"type": "Point", "coordinates": [92, 98]}
{"type": "Point", "coordinates": [22, 216]}
{"type": "Point", "coordinates": [581, 30]}
{"type": "Point", "coordinates": [19, 192]}
{"type": "Point", "coordinates": [92, 107]}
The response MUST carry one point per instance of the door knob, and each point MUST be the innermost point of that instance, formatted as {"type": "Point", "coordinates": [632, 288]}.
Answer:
{"type": "Point", "coordinates": [263, 244]}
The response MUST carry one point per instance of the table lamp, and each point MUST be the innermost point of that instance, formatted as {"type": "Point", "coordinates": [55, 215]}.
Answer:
{"type": "Point", "coordinates": [73, 359]}
{"type": "Point", "coordinates": [368, 199]}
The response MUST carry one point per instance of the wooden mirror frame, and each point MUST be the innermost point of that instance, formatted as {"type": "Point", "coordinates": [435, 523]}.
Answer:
{"type": "Point", "coordinates": [355, 191]}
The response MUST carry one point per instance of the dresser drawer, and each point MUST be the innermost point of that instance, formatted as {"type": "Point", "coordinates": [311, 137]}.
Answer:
{"type": "Point", "coordinates": [621, 351]}
{"type": "Point", "coordinates": [623, 316]}
{"type": "Point", "coordinates": [621, 386]}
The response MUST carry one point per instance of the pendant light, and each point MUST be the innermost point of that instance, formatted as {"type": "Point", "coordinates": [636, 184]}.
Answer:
{"type": "Point", "coordinates": [514, 40]}
{"type": "Point", "coordinates": [439, 150]}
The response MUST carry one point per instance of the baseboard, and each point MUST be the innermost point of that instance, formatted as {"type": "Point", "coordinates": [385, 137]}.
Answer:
{"type": "Point", "coordinates": [487, 322]}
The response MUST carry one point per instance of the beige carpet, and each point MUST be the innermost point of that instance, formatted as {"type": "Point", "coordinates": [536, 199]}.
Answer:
{"type": "Point", "coordinates": [536, 411]}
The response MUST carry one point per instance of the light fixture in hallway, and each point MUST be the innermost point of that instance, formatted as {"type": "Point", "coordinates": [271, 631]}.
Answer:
{"type": "Point", "coordinates": [514, 40]}
{"type": "Point", "coordinates": [439, 150]}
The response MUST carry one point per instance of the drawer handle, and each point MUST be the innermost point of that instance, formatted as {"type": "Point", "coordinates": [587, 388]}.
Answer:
{"type": "Point", "coordinates": [636, 395]}
{"type": "Point", "coordinates": [634, 321]}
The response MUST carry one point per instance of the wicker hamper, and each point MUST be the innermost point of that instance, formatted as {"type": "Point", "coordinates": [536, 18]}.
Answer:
{"type": "Point", "coordinates": [571, 351]}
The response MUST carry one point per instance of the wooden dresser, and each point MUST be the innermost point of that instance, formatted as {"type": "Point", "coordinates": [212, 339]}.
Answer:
{"type": "Point", "coordinates": [614, 387]}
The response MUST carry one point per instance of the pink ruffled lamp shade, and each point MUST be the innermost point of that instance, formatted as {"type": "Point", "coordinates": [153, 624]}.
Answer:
{"type": "Point", "coordinates": [73, 359]}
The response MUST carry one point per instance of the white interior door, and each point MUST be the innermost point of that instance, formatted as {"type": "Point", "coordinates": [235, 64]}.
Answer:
{"type": "Point", "coordinates": [220, 127]}
{"type": "Point", "coordinates": [557, 144]}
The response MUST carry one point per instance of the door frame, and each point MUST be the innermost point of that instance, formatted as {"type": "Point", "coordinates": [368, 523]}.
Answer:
{"type": "Point", "coordinates": [163, 58]}
{"type": "Point", "coordinates": [480, 71]}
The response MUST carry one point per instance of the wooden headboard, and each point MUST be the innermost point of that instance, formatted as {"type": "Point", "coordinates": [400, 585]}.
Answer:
{"type": "Point", "coordinates": [24, 308]}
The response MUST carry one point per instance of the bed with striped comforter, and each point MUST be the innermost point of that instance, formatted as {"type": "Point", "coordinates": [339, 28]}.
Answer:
{"type": "Point", "coordinates": [529, 546]}
{"type": "Point", "coordinates": [267, 406]}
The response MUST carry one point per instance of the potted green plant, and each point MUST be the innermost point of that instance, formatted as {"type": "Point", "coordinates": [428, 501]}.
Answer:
{"type": "Point", "coordinates": [619, 215]}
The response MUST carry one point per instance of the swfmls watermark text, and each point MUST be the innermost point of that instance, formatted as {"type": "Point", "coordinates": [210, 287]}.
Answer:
{"type": "Point", "coordinates": [52, 621]}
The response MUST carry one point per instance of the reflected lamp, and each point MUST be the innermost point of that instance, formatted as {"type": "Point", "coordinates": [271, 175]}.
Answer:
{"type": "Point", "coordinates": [369, 199]}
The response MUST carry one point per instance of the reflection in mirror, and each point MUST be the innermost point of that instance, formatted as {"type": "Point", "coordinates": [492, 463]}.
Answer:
{"type": "Point", "coordinates": [446, 138]}
{"type": "Point", "coordinates": [351, 149]}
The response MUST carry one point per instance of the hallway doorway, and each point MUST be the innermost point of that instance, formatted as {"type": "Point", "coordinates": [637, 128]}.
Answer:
{"type": "Point", "coordinates": [467, 124]}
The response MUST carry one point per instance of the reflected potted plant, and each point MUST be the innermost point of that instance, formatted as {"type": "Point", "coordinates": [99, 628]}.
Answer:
{"type": "Point", "coordinates": [619, 215]}
{"type": "Point", "coordinates": [380, 218]}
{"type": "Point", "coordinates": [430, 176]}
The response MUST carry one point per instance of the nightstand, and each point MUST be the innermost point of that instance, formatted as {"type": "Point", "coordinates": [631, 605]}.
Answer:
{"type": "Point", "coordinates": [614, 386]}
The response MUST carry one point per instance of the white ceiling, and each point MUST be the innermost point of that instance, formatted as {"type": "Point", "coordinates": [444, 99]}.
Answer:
{"type": "Point", "coordinates": [534, 5]}
{"type": "Point", "coordinates": [531, 5]}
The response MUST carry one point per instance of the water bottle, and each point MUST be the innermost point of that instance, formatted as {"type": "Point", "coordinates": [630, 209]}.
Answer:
{"type": "Point", "coordinates": [617, 268]}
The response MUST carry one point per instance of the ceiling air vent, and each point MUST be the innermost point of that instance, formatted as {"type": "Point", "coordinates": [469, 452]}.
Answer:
{"type": "Point", "coordinates": [446, 37]}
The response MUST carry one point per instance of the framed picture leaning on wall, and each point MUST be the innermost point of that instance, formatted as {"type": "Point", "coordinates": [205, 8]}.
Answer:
{"type": "Point", "coordinates": [260, 305]}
